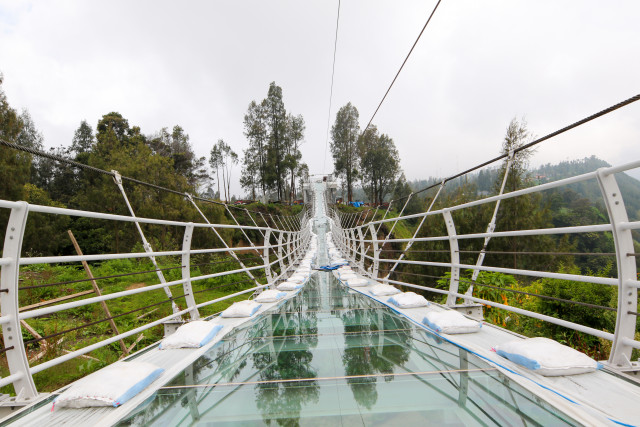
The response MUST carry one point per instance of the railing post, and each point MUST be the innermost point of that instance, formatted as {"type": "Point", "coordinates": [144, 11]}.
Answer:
{"type": "Point", "coordinates": [353, 247]}
{"type": "Point", "coordinates": [376, 255]}
{"type": "Point", "coordinates": [280, 258]}
{"type": "Point", "coordinates": [17, 360]}
{"type": "Point", "coordinates": [361, 238]}
{"type": "Point", "coordinates": [455, 257]}
{"type": "Point", "coordinates": [620, 355]}
{"type": "Point", "coordinates": [290, 247]}
{"type": "Point", "coordinates": [265, 256]}
{"type": "Point", "coordinates": [186, 272]}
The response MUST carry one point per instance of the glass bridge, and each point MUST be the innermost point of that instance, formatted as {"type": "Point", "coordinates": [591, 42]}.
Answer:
{"type": "Point", "coordinates": [333, 357]}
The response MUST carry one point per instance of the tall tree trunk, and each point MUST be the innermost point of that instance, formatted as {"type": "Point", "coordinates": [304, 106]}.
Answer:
{"type": "Point", "coordinates": [218, 179]}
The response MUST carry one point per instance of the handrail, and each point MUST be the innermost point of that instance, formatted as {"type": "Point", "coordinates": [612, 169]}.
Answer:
{"type": "Point", "coordinates": [280, 248]}
{"type": "Point", "coordinates": [351, 239]}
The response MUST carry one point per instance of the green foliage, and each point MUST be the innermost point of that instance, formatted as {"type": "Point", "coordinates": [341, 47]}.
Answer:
{"type": "Point", "coordinates": [274, 139]}
{"type": "Point", "coordinates": [344, 145]}
{"type": "Point", "coordinates": [379, 164]}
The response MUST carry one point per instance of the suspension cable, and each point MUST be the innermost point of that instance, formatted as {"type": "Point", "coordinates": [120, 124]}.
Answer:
{"type": "Point", "coordinates": [535, 142]}
{"type": "Point", "coordinates": [402, 66]}
{"type": "Point", "coordinates": [109, 173]}
{"type": "Point", "coordinates": [333, 71]}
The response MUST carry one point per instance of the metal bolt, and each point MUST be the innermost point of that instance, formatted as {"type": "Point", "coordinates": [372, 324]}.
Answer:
{"type": "Point", "coordinates": [617, 203]}
{"type": "Point", "coordinates": [10, 237]}
{"type": "Point", "coordinates": [615, 194]}
{"type": "Point", "coordinates": [13, 229]}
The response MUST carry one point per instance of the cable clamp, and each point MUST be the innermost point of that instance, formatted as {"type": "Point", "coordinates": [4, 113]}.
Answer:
{"type": "Point", "coordinates": [116, 176]}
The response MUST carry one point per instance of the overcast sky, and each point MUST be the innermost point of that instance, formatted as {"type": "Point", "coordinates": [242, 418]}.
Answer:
{"type": "Point", "coordinates": [199, 64]}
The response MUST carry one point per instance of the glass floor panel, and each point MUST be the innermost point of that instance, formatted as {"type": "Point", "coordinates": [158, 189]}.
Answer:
{"type": "Point", "coordinates": [330, 356]}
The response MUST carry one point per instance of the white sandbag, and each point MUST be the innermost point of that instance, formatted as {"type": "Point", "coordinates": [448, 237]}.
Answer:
{"type": "Point", "coordinates": [272, 295]}
{"type": "Point", "coordinates": [347, 276]}
{"type": "Point", "coordinates": [383, 290]}
{"type": "Point", "coordinates": [110, 386]}
{"type": "Point", "coordinates": [450, 322]}
{"type": "Point", "coordinates": [408, 300]}
{"type": "Point", "coordinates": [298, 278]}
{"type": "Point", "coordinates": [357, 282]}
{"type": "Point", "coordinates": [191, 335]}
{"type": "Point", "coordinates": [547, 357]}
{"type": "Point", "coordinates": [289, 286]}
{"type": "Point", "coordinates": [246, 308]}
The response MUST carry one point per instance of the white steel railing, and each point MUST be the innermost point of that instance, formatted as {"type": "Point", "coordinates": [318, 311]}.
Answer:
{"type": "Point", "coordinates": [281, 247]}
{"type": "Point", "coordinates": [362, 244]}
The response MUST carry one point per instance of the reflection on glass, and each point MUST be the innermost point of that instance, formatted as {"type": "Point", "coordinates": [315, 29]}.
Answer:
{"type": "Point", "coordinates": [331, 356]}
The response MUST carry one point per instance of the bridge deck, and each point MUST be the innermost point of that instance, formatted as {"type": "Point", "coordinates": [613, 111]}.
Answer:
{"type": "Point", "coordinates": [330, 354]}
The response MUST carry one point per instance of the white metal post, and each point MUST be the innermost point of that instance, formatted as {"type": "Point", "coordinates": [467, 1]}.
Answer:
{"type": "Point", "coordinates": [620, 355]}
{"type": "Point", "coordinates": [280, 257]}
{"type": "Point", "coordinates": [376, 258]}
{"type": "Point", "coordinates": [290, 250]}
{"type": "Point", "coordinates": [361, 247]}
{"type": "Point", "coordinates": [455, 257]}
{"type": "Point", "coordinates": [186, 272]}
{"type": "Point", "coordinates": [17, 360]}
{"type": "Point", "coordinates": [265, 256]}
{"type": "Point", "coordinates": [353, 244]}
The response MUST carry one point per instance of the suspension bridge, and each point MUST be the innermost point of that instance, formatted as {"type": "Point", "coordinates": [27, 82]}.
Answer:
{"type": "Point", "coordinates": [330, 348]}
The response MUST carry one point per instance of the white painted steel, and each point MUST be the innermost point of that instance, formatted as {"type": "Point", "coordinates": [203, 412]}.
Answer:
{"type": "Point", "coordinates": [619, 226]}
{"type": "Point", "coordinates": [454, 253]}
{"type": "Point", "coordinates": [186, 273]}
{"type": "Point", "coordinates": [627, 270]}
{"type": "Point", "coordinates": [289, 252]}
{"type": "Point", "coordinates": [15, 352]}
{"type": "Point", "coordinates": [145, 243]}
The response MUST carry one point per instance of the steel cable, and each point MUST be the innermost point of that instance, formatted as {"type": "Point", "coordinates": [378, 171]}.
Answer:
{"type": "Point", "coordinates": [109, 173]}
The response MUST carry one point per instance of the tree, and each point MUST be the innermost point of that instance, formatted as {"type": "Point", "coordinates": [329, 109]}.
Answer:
{"type": "Point", "coordinates": [344, 137]}
{"type": "Point", "coordinates": [295, 135]}
{"type": "Point", "coordinates": [303, 175]}
{"type": "Point", "coordinates": [223, 158]}
{"type": "Point", "coordinates": [255, 157]}
{"type": "Point", "coordinates": [15, 166]}
{"type": "Point", "coordinates": [379, 163]}
{"type": "Point", "coordinates": [176, 146]}
{"type": "Point", "coordinates": [276, 119]}
{"type": "Point", "coordinates": [274, 138]}
{"type": "Point", "coordinates": [83, 139]}
{"type": "Point", "coordinates": [523, 212]}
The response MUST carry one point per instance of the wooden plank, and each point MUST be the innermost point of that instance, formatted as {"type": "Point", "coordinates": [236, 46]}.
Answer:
{"type": "Point", "coordinates": [87, 269]}
{"type": "Point", "coordinates": [134, 344]}
{"type": "Point", "coordinates": [55, 300]}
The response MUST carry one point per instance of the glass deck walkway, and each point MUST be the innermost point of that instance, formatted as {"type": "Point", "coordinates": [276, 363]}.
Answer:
{"type": "Point", "coordinates": [330, 357]}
